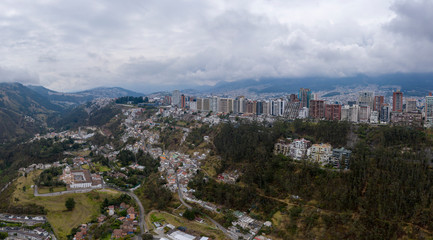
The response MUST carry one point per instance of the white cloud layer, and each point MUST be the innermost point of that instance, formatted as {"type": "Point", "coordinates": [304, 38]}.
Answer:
{"type": "Point", "coordinates": [143, 45]}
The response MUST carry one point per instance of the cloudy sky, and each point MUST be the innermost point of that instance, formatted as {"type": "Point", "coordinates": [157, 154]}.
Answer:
{"type": "Point", "coordinates": [147, 45]}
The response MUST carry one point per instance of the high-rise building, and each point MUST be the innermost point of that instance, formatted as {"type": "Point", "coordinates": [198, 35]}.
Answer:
{"type": "Point", "coordinates": [385, 112]}
{"type": "Point", "coordinates": [333, 112]}
{"type": "Point", "coordinates": [266, 107]}
{"type": "Point", "coordinates": [175, 99]}
{"type": "Point", "coordinates": [193, 105]}
{"type": "Point", "coordinates": [364, 113]}
{"type": "Point", "coordinates": [292, 110]}
{"type": "Point", "coordinates": [182, 101]}
{"type": "Point", "coordinates": [374, 117]}
{"type": "Point", "coordinates": [206, 105]}
{"type": "Point", "coordinates": [236, 106]}
{"type": "Point", "coordinates": [275, 108]}
{"type": "Point", "coordinates": [223, 106]}
{"type": "Point", "coordinates": [378, 102]}
{"type": "Point", "coordinates": [167, 100]}
{"type": "Point", "coordinates": [345, 113]}
{"type": "Point", "coordinates": [242, 104]}
{"type": "Point", "coordinates": [429, 111]}
{"type": "Point", "coordinates": [317, 109]}
{"type": "Point", "coordinates": [305, 97]}
{"type": "Point", "coordinates": [411, 105]}
{"type": "Point", "coordinates": [397, 101]}
{"type": "Point", "coordinates": [293, 98]}
{"type": "Point", "coordinates": [249, 107]}
{"type": "Point", "coordinates": [366, 99]}
{"type": "Point", "coordinates": [353, 113]}
{"type": "Point", "coordinates": [214, 104]}
{"type": "Point", "coordinates": [281, 107]}
{"type": "Point", "coordinates": [259, 108]}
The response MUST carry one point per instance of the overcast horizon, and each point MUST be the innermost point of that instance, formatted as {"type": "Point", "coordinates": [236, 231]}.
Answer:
{"type": "Point", "coordinates": [154, 45]}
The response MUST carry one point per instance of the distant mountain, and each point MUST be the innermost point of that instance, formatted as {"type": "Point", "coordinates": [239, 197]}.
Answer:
{"type": "Point", "coordinates": [22, 111]}
{"type": "Point", "coordinates": [66, 99]}
{"type": "Point", "coordinates": [415, 84]}
{"type": "Point", "coordinates": [26, 110]}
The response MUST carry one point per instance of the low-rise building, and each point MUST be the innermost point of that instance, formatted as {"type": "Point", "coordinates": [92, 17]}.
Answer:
{"type": "Point", "coordinates": [320, 153]}
{"type": "Point", "coordinates": [406, 119]}
{"type": "Point", "coordinates": [80, 179]}
{"type": "Point", "coordinates": [298, 148]}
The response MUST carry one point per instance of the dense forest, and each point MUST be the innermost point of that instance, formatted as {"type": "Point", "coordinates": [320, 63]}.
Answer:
{"type": "Point", "coordinates": [153, 194]}
{"type": "Point", "coordinates": [84, 115]}
{"type": "Point", "coordinates": [14, 156]}
{"type": "Point", "coordinates": [388, 187]}
{"type": "Point", "coordinates": [133, 100]}
{"type": "Point", "coordinates": [50, 177]}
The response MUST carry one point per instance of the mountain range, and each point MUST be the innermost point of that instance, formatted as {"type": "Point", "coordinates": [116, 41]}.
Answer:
{"type": "Point", "coordinates": [26, 110]}
{"type": "Point", "coordinates": [66, 99]}
{"type": "Point", "coordinates": [413, 84]}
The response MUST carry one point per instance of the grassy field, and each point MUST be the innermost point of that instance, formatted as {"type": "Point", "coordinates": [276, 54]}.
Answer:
{"type": "Point", "coordinates": [203, 229]}
{"type": "Point", "coordinates": [210, 165]}
{"type": "Point", "coordinates": [47, 189]}
{"type": "Point", "coordinates": [86, 208]}
{"type": "Point", "coordinates": [100, 168]}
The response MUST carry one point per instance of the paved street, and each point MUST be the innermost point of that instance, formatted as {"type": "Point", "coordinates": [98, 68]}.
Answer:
{"type": "Point", "coordinates": [219, 226]}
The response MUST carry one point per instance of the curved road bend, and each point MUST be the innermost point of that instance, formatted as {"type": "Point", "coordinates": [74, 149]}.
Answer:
{"type": "Point", "coordinates": [143, 225]}
{"type": "Point", "coordinates": [219, 226]}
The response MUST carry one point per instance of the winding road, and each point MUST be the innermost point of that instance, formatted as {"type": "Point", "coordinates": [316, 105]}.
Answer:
{"type": "Point", "coordinates": [219, 226]}
{"type": "Point", "coordinates": [143, 226]}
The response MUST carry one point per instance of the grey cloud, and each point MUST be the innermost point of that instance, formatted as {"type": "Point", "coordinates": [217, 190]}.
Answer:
{"type": "Point", "coordinates": [413, 19]}
{"type": "Point", "coordinates": [171, 43]}
{"type": "Point", "coordinates": [17, 75]}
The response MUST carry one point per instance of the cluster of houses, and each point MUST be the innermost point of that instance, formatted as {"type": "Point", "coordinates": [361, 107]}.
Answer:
{"type": "Point", "coordinates": [127, 228]}
{"type": "Point", "coordinates": [28, 220]}
{"type": "Point", "coordinates": [322, 153]}
{"type": "Point", "coordinates": [40, 166]}
{"type": "Point", "coordinates": [228, 177]}
{"type": "Point", "coordinates": [129, 224]}
{"type": "Point", "coordinates": [182, 165]}
{"type": "Point", "coordinates": [24, 233]}
{"type": "Point", "coordinates": [79, 135]}
{"type": "Point", "coordinates": [247, 223]}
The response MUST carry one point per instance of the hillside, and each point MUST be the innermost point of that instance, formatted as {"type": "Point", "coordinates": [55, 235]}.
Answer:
{"type": "Point", "coordinates": [67, 99]}
{"type": "Point", "coordinates": [22, 111]}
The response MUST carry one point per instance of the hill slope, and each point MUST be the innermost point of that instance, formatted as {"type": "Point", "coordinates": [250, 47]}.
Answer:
{"type": "Point", "coordinates": [22, 111]}
{"type": "Point", "coordinates": [66, 99]}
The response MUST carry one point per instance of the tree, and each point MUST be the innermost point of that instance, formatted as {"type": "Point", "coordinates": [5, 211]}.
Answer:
{"type": "Point", "coordinates": [70, 204]}
{"type": "Point", "coordinates": [189, 214]}
{"type": "Point", "coordinates": [3, 235]}
{"type": "Point", "coordinates": [147, 236]}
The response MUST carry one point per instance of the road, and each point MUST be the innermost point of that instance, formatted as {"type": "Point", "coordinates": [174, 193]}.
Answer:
{"type": "Point", "coordinates": [143, 225]}
{"type": "Point", "coordinates": [219, 226]}
{"type": "Point", "coordinates": [78, 190]}
{"type": "Point", "coordinates": [7, 185]}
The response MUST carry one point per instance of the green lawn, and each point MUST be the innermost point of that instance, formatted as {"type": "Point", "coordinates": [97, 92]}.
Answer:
{"type": "Point", "coordinates": [101, 168]}
{"type": "Point", "coordinates": [47, 189]}
{"type": "Point", "coordinates": [62, 221]}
